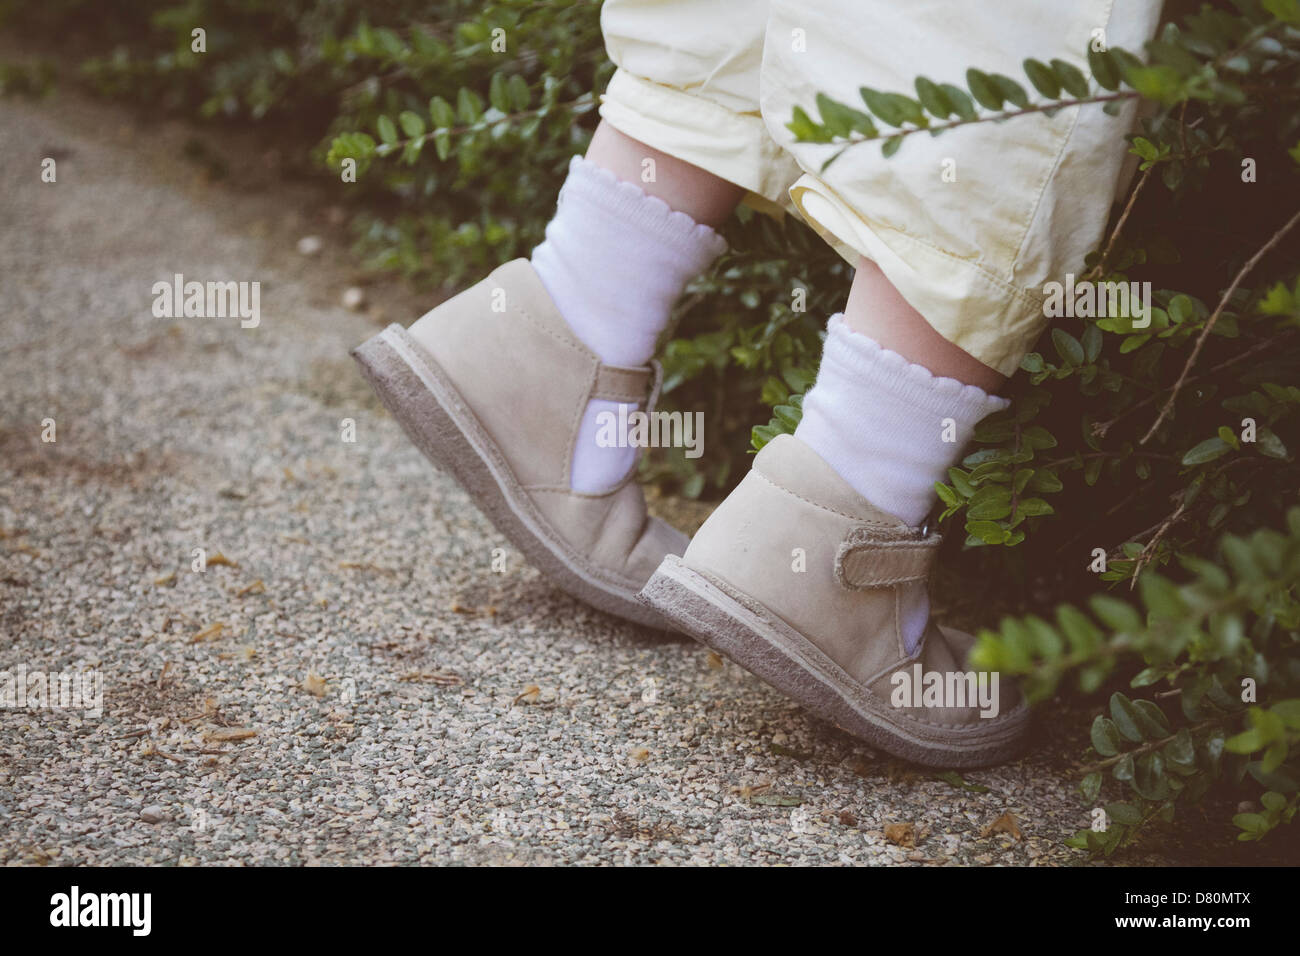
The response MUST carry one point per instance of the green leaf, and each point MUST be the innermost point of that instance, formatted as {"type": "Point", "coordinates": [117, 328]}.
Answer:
{"type": "Point", "coordinates": [1092, 338]}
{"type": "Point", "coordinates": [1033, 508]}
{"type": "Point", "coordinates": [1269, 444]}
{"type": "Point", "coordinates": [961, 102]}
{"type": "Point", "coordinates": [1288, 711]}
{"type": "Point", "coordinates": [841, 120]}
{"type": "Point", "coordinates": [1010, 90]}
{"type": "Point", "coordinates": [1288, 11]}
{"type": "Point", "coordinates": [1038, 437]}
{"type": "Point", "coordinates": [787, 415]}
{"type": "Point", "coordinates": [1160, 595]}
{"type": "Point", "coordinates": [1182, 308]}
{"type": "Point", "coordinates": [760, 435]}
{"type": "Point", "coordinates": [442, 143]}
{"type": "Point", "coordinates": [961, 482]}
{"type": "Point", "coordinates": [984, 90]}
{"type": "Point", "coordinates": [387, 131]}
{"type": "Point", "coordinates": [987, 531]}
{"type": "Point", "coordinates": [1163, 84]}
{"type": "Point", "coordinates": [933, 98]}
{"type": "Point", "coordinates": [1090, 787]}
{"type": "Point", "coordinates": [805, 130]}
{"type": "Point", "coordinates": [1151, 719]}
{"type": "Point", "coordinates": [1274, 756]}
{"type": "Point", "coordinates": [1105, 737]}
{"type": "Point", "coordinates": [1279, 300]}
{"type": "Point", "coordinates": [498, 93]}
{"type": "Point", "coordinates": [1116, 614]}
{"type": "Point", "coordinates": [1045, 482]}
{"type": "Point", "coordinates": [1104, 69]}
{"type": "Point", "coordinates": [1182, 749]}
{"type": "Point", "coordinates": [1071, 77]}
{"type": "Point", "coordinates": [1123, 769]}
{"type": "Point", "coordinates": [468, 107]}
{"type": "Point", "coordinates": [1246, 742]}
{"type": "Point", "coordinates": [411, 151]}
{"type": "Point", "coordinates": [440, 111]}
{"type": "Point", "coordinates": [1067, 346]}
{"type": "Point", "coordinates": [1149, 776]}
{"type": "Point", "coordinates": [1122, 712]}
{"type": "Point", "coordinates": [1124, 813]}
{"type": "Point", "coordinates": [1145, 148]}
{"type": "Point", "coordinates": [894, 109]}
{"type": "Point", "coordinates": [412, 124]}
{"type": "Point", "coordinates": [1043, 77]}
{"type": "Point", "coordinates": [1208, 450]}
{"type": "Point", "coordinates": [520, 95]}
{"type": "Point", "coordinates": [993, 507]}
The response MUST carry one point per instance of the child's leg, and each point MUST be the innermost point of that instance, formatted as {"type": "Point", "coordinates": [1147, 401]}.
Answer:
{"type": "Point", "coordinates": [686, 188]}
{"type": "Point", "coordinates": [632, 227]}
{"type": "Point", "coordinates": [505, 385]}
{"type": "Point", "coordinates": [812, 573]}
{"type": "Point", "coordinates": [877, 310]}
{"type": "Point", "coordinates": [966, 227]}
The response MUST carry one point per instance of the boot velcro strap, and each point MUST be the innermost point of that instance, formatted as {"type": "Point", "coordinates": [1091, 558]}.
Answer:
{"type": "Point", "coordinates": [869, 559]}
{"type": "Point", "coordinates": [620, 384]}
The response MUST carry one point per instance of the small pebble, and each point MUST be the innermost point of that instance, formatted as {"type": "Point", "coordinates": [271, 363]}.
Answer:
{"type": "Point", "coordinates": [354, 298]}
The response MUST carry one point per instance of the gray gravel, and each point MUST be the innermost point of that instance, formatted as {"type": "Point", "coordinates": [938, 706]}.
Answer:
{"type": "Point", "coordinates": [356, 685]}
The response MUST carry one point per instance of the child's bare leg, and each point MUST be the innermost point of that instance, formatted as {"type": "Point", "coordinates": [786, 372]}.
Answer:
{"type": "Point", "coordinates": [685, 188]}
{"type": "Point", "coordinates": [633, 226]}
{"type": "Point", "coordinates": [877, 310]}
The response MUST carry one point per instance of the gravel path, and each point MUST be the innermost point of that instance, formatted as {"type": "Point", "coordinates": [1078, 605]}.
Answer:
{"type": "Point", "coordinates": [349, 680]}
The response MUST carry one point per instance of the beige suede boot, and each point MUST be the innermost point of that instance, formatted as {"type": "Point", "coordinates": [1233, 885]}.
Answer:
{"type": "Point", "coordinates": [798, 579]}
{"type": "Point", "coordinates": [491, 386]}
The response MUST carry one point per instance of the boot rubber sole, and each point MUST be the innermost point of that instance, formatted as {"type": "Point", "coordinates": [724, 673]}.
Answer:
{"type": "Point", "coordinates": [421, 397]}
{"type": "Point", "coordinates": [762, 643]}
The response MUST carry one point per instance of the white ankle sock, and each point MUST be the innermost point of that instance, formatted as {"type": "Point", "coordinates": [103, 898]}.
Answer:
{"type": "Point", "coordinates": [615, 260]}
{"type": "Point", "coordinates": [879, 421]}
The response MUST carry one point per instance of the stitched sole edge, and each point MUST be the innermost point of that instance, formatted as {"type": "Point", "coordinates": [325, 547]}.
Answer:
{"type": "Point", "coordinates": [770, 649]}
{"type": "Point", "coordinates": [447, 433]}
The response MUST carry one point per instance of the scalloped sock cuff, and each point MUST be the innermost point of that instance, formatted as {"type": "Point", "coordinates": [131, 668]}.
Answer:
{"type": "Point", "coordinates": [890, 428]}
{"type": "Point", "coordinates": [615, 260]}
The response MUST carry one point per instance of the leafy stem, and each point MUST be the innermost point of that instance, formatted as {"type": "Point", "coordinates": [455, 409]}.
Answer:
{"type": "Point", "coordinates": [1152, 745]}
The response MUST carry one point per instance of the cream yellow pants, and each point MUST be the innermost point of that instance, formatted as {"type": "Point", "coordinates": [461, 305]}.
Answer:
{"type": "Point", "coordinates": [967, 225]}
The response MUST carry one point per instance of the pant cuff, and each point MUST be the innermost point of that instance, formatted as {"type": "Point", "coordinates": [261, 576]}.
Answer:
{"type": "Point", "coordinates": [980, 313]}
{"type": "Point", "coordinates": [732, 146]}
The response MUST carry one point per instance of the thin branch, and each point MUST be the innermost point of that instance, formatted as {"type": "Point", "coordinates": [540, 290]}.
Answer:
{"type": "Point", "coordinates": [1148, 551]}
{"type": "Point", "coordinates": [985, 118]}
{"type": "Point", "coordinates": [581, 104]}
{"type": "Point", "coordinates": [1099, 268]}
{"type": "Point", "coordinates": [1107, 454]}
{"type": "Point", "coordinates": [1209, 326]}
{"type": "Point", "coordinates": [1101, 428]}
